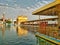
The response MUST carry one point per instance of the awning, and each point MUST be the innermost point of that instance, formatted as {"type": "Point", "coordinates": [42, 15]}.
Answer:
{"type": "Point", "coordinates": [48, 9]}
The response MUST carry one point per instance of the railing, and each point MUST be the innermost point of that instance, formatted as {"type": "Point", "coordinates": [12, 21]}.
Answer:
{"type": "Point", "coordinates": [46, 40]}
{"type": "Point", "coordinates": [49, 30]}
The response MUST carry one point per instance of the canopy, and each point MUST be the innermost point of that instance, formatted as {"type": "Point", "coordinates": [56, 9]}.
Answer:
{"type": "Point", "coordinates": [49, 9]}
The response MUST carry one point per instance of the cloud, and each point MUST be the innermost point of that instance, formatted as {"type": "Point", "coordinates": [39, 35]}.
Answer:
{"type": "Point", "coordinates": [14, 12]}
{"type": "Point", "coordinates": [10, 0]}
{"type": "Point", "coordinates": [1, 3]}
{"type": "Point", "coordinates": [30, 8]}
{"type": "Point", "coordinates": [46, 2]}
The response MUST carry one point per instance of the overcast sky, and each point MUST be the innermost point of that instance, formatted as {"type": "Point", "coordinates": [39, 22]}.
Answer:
{"type": "Point", "coordinates": [14, 8]}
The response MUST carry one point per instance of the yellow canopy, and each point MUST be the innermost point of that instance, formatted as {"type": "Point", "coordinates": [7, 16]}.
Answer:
{"type": "Point", "coordinates": [41, 11]}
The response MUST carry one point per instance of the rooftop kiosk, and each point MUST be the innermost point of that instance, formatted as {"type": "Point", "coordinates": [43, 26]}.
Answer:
{"type": "Point", "coordinates": [52, 9]}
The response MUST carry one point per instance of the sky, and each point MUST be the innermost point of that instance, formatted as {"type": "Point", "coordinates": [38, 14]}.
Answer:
{"type": "Point", "coordinates": [14, 8]}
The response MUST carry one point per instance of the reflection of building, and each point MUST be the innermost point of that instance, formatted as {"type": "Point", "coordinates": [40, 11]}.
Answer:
{"type": "Point", "coordinates": [21, 19]}
{"type": "Point", "coordinates": [21, 31]}
{"type": "Point", "coordinates": [3, 30]}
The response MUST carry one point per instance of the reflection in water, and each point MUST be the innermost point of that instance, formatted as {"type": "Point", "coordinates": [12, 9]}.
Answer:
{"type": "Point", "coordinates": [3, 31]}
{"type": "Point", "coordinates": [16, 36]}
{"type": "Point", "coordinates": [21, 32]}
{"type": "Point", "coordinates": [4, 28]}
{"type": "Point", "coordinates": [8, 27]}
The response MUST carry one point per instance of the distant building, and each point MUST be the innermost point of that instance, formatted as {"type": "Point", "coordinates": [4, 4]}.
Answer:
{"type": "Point", "coordinates": [2, 20]}
{"type": "Point", "coordinates": [21, 19]}
{"type": "Point", "coordinates": [3, 17]}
